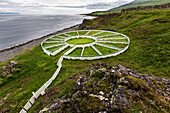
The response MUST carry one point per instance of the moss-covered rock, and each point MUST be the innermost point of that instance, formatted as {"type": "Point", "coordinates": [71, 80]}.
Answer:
{"type": "Point", "coordinates": [117, 89]}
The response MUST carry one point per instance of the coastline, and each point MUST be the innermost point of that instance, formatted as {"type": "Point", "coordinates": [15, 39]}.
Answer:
{"type": "Point", "coordinates": [11, 52]}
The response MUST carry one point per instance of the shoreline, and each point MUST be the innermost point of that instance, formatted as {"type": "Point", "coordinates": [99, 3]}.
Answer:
{"type": "Point", "coordinates": [8, 53]}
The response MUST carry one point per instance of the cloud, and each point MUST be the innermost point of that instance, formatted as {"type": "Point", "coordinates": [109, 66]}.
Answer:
{"type": "Point", "coordinates": [3, 3]}
{"type": "Point", "coordinates": [59, 6]}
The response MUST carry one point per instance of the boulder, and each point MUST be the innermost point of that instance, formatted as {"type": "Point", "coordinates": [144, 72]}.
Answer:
{"type": "Point", "coordinates": [8, 68]}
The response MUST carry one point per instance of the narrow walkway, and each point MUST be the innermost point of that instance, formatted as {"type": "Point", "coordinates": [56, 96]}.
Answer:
{"type": "Point", "coordinates": [41, 91]}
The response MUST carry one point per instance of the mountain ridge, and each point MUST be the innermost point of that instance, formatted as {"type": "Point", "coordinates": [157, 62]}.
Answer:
{"type": "Point", "coordinates": [140, 3]}
{"type": "Point", "coordinates": [133, 4]}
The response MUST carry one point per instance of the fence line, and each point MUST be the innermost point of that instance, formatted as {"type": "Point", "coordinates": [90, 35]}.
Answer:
{"type": "Point", "coordinates": [47, 42]}
{"type": "Point", "coordinates": [41, 90]}
{"type": "Point", "coordinates": [111, 47]}
{"type": "Point", "coordinates": [57, 39]}
{"type": "Point", "coordinates": [114, 42]}
{"type": "Point", "coordinates": [82, 51]}
{"type": "Point", "coordinates": [95, 57]}
{"type": "Point", "coordinates": [98, 33]}
{"type": "Point", "coordinates": [96, 50]}
{"type": "Point", "coordinates": [111, 38]}
{"type": "Point", "coordinates": [71, 50]}
{"type": "Point", "coordinates": [54, 45]}
{"type": "Point", "coordinates": [59, 50]}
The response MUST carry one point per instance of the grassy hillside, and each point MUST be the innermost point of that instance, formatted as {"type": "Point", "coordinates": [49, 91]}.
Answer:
{"type": "Point", "coordinates": [133, 4]}
{"type": "Point", "coordinates": [149, 33]}
{"type": "Point", "coordinates": [140, 3]}
{"type": "Point", "coordinates": [149, 52]}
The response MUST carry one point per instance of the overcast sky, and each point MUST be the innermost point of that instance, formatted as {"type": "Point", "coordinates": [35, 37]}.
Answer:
{"type": "Point", "coordinates": [58, 6]}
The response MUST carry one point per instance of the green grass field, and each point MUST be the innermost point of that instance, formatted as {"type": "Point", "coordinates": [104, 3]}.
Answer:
{"type": "Point", "coordinates": [79, 41]}
{"type": "Point", "coordinates": [104, 50]}
{"type": "Point", "coordinates": [93, 32]}
{"type": "Point", "coordinates": [148, 32]}
{"type": "Point", "coordinates": [82, 32]}
{"type": "Point", "coordinates": [104, 33]}
{"type": "Point", "coordinates": [112, 36]}
{"type": "Point", "coordinates": [76, 52]}
{"type": "Point", "coordinates": [122, 40]}
{"type": "Point", "coordinates": [72, 33]}
{"type": "Point", "coordinates": [88, 51]}
{"type": "Point", "coordinates": [52, 49]}
{"type": "Point", "coordinates": [115, 45]}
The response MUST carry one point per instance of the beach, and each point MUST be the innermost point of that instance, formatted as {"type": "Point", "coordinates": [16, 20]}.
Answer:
{"type": "Point", "coordinates": [11, 52]}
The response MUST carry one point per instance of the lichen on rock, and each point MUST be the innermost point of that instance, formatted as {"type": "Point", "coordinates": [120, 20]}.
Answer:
{"type": "Point", "coordinates": [113, 89]}
{"type": "Point", "coordinates": [8, 68]}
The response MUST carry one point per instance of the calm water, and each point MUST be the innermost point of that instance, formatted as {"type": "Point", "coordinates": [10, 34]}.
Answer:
{"type": "Point", "coordinates": [16, 29]}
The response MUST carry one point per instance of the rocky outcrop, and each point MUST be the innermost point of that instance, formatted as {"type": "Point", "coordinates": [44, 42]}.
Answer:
{"type": "Point", "coordinates": [146, 7]}
{"type": "Point", "coordinates": [106, 89]}
{"type": "Point", "coordinates": [8, 68]}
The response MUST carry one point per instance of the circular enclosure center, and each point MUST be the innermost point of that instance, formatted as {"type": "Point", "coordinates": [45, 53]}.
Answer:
{"type": "Point", "coordinates": [80, 41]}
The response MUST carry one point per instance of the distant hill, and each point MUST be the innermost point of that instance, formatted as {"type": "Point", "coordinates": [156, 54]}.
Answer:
{"type": "Point", "coordinates": [140, 3]}
{"type": "Point", "coordinates": [9, 13]}
{"type": "Point", "coordinates": [135, 3]}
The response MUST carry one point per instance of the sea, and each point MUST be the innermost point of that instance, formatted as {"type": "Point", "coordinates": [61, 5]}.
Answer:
{"type": "Point", "coordinates": [17, 29]}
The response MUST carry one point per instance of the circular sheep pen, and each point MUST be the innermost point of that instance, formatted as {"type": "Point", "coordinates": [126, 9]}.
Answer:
{"type": "Point", "coordinates": [87, 44]}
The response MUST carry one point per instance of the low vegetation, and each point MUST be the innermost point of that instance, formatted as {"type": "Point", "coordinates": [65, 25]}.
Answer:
{"type": "Point", "coordinates": [79, 41]}
{"type": "Point", "coordinates": [72, 33]}
{"type": "Point", "coordinates": [115, 45]}
{"type": "Point", "coordinates": [76, 52]}
{"type": "Point", "coordinates": [148, 53]}
{"type": "Point", "coordinates": [104, 34]}
{"type": "Point", "coordinates": [105, 50]}
{"type": "Point", "coordinates": [82, 32]}
{"type": "Point", "coordinates": [88, 51]}
{"type": "Point", "coordinates": [149, 35]}
{"type": "Point", "coordinates": [93, 32]}
{"type": "Point", "coordinates": [52, 49]}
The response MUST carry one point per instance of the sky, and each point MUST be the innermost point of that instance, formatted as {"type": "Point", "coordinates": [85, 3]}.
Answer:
{"type": "Point", "coordinates": [58, 6]}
